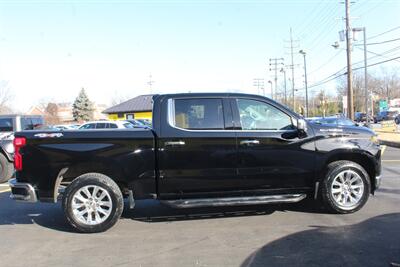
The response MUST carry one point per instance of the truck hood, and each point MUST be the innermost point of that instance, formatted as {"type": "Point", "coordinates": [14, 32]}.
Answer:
{"type": "Point", "coordinates": [321, 129]}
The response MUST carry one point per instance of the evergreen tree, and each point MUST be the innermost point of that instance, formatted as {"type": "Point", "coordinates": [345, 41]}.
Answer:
{"type": "Point", "coordinates": [82, 109]}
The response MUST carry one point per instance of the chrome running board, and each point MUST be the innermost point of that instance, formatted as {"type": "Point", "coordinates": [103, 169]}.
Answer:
{"type": "Point", "coordinates": [234, 201]}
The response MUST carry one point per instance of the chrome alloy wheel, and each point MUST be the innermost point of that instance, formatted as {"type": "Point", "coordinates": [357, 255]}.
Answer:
{"type": "Point", "coordinates": [91, 205]}
{"type": "Point", "coordinates": [347, 189]}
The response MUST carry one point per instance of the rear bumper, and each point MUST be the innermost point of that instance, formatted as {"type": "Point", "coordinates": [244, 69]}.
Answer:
{"type": "Point", "coordinates": [22, 191]}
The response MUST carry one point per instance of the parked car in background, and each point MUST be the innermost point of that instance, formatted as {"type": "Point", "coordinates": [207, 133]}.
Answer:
{"type": "Point", "coordinates": [8, 125]}
{"type": "Point", "coordinates": [65, 126]}
{"type": "Point", "coordinates": [95, 125]}
{"type": "Point", "coordinates": [145, 121]}
{"type": "Point", "coordinates": [385, 116]}
{"type": "Point", "coordinates": [397, 119]}
{"type": "Point", "coordinates": [360, 117]}
{"type": "Point", "coordinates": [332, 121]}
{"type": "Point", "coordinates": [137, 123]}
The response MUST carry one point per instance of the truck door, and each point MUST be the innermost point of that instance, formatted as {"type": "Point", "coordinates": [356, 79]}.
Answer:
{"type": "Point", "coordinates": [197, 148]}
{"type": "Point", "coordinates": [271, 155]}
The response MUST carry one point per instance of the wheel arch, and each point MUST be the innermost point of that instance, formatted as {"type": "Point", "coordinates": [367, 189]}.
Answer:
{"type": "Point", "coordinates": [360, 158]}
{"type": "Point", "coordinates": [75, 170]}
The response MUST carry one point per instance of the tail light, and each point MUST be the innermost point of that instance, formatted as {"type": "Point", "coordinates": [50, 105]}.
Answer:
{"type": "Point", "coordinates": [19, 142]}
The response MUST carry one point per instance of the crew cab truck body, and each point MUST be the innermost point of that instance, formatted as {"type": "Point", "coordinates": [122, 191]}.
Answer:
{"type": "Point", "coordinates": [203, 150]}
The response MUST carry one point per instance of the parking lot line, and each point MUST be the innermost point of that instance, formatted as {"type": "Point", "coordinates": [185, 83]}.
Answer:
{"type": "Point", "coordinates": [5, 190]}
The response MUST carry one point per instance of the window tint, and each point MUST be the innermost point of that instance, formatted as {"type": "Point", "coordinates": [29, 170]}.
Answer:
{"type": "Point", "coordinates": [199, 114]}
{"type": "Point", "coordinates": [37, 122]}
{"type": "Point", "coordinates": [257, 115]}
{"type": "Point", "coordinates": [26, 124]}
{"type": "Point", "coordinates": [113, 126]}
{"type": "Point", "coordinates": [101, 125]}
{"type": "Point", "coordinates": [6, 125]}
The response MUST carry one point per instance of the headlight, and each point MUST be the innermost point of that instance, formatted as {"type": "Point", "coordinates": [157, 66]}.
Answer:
{"type": "Point", "coordinates": [374, 139]}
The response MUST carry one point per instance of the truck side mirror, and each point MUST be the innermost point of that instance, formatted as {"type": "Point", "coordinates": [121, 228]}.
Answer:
{"type": "Point", "coordinates": [302, 128]}
{"type": "Point", "coordinates": [301, 125]}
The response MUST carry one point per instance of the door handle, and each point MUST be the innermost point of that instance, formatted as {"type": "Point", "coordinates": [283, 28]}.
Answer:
{"type": "Point", "coordinates": [174, 143]}
{"type": "Point", "coordinates": [250, 142]}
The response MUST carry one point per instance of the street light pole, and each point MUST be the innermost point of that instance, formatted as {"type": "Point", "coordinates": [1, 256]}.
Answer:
{"type": "Point", "coordinates": [272, 95]}
{"type": "Point", "coordinates": [305, 79]}
{"type": "Point", "coordinates": [365, 71]}
{"type": "Point", "coordinates": [284, 83]}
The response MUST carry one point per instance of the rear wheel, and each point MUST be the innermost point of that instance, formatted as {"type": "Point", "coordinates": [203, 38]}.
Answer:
{"type": "Point", "coordinates": [346, 187]}
{"type": "Point", "coordinates": [93, 203]}
{"type": "Point", "coordinates": [6, 169]}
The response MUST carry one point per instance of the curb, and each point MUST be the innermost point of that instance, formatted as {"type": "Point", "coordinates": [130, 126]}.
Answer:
{"type": "Point", "coordinates": [389, 143]}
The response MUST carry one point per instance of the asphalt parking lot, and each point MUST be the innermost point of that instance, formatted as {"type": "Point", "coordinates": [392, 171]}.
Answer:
{"type": "Point", "coordinates": [154, 235]}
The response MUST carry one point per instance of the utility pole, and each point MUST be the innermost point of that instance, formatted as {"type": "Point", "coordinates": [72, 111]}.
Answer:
{"type": "Point", "coordinates": [273, 66]}
{"type": "Point", "coordinates": [292, 47]}
{"type": "Point", "coordinates": [259, 83]}
{"type": "Point", "coordinates": [350, 100]}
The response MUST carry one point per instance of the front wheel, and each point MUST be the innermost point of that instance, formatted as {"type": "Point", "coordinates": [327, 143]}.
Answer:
{"type": "Point", "coordinates": [346, 187]}
{"type": "Point", "coordinates": [92, 203]}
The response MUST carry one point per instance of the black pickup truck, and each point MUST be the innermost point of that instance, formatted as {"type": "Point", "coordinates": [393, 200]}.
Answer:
{"type": "Point", "coordinates": [203, 150]}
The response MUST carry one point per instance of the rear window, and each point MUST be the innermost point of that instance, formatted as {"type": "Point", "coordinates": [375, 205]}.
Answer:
{"type": "Point", "coordinates": [6, 125]}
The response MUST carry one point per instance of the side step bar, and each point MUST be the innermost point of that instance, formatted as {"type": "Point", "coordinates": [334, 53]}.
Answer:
{"type": "Point", "coordinates": [234, 201]}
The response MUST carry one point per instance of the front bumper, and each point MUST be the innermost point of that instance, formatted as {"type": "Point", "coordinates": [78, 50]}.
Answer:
{"type": "Point", "coordinates": [377, 182]}
{"type": "Point", "coordinates": [22, 191]}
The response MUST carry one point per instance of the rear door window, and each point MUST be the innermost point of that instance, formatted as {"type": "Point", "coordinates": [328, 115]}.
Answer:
{"type": "Point", "coordinates": [198, 114]}
{"type": "Point", "coordinates": [26, 124]}
{"type": "Point", "coordinates": [101, 125]}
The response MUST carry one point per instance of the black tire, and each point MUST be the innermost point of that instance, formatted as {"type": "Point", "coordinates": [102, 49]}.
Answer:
{"type": "Point", "coordinates": [106, 184]}
{"type": "Point", "coordinates": [397, 120]}
{"type": "Point", "coordinates": [6, 169]}
{"type": "Point", "coordinates": [333, 170]}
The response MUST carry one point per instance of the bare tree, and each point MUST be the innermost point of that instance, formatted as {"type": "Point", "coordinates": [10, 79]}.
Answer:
{"type": "Point", "coordinates": [118, 98]}
{"type": "Point", "coordinates": [384, 84]}
{"type": "Point", "coordinates": [6, 97]}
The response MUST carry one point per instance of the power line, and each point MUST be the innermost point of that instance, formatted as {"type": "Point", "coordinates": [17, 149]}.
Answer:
{"type": "Point", "coordinates": [326, 63]}
{"type": "Point", "coordinates": [380, 34]}
{"type": "Point", "coordinates": [376, 55]}
{"type": "Point", "coordinates": [384, 42]}
{"type": "Point", "coordinates": [336, 75]}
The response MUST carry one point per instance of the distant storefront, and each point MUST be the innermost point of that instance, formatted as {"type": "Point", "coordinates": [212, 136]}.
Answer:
{"type": "Point", "coordinates": [139, 107]}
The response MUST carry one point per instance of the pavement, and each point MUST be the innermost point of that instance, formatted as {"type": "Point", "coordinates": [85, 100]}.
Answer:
{"type": "Point", "coordinates": [300, 234]}
{"type": "Point", "coordinates": [389, 136]}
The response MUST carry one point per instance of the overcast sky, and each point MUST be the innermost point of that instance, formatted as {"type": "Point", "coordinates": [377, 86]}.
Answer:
{"type": "Point", "coordinates": [51, 49]}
